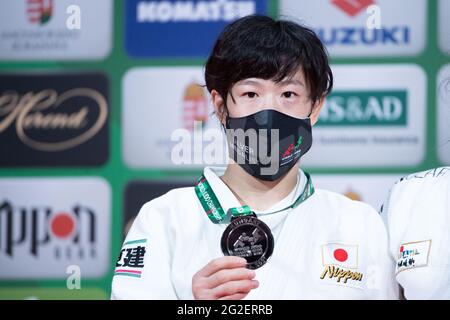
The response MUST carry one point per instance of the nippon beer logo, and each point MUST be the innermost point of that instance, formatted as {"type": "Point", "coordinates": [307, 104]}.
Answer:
{"type": "Point", "coordinates": [68, 234]}
{"type": "Point", "coordinates": [48, 224]}
{"type": "Point", "coordinates": [45, 113]}
{"type": "Point", "coordinates": [367, 108]}
{"type": "Point", "coordinates": [352, 7]}
{"type": "Point", "coordinates": [39, 11]}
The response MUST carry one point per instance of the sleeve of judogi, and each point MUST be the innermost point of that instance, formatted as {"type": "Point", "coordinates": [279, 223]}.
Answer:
{"type": "Point", "coordinates": [381, 273]}
{"type": "Point", "coordinates": [384, 213]}
{"type": "Point", "coordinates": [143, 268]}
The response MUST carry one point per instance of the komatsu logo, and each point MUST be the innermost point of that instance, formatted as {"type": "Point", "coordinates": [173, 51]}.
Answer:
{"type": "Point", "coordinates": [193, 11]}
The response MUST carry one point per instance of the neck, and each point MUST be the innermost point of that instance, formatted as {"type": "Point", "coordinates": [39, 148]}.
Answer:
{"type": "Point", "coordinates": [258, 194]}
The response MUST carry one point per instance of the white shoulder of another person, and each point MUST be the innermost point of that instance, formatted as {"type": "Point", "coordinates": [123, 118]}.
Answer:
{"type": "Point", "coordinates": [414, 194]}
{"type": "Point", "coordinates": [422, 183]}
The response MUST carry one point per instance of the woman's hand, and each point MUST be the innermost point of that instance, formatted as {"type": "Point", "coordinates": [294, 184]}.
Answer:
{"type": "Point", "coordinates": [224, 278]}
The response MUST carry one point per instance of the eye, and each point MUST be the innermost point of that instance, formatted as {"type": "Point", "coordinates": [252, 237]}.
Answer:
{"type": "Point", "coordinates": [250, 94]}
{"type": "Point", "coordinates": [289, 94]}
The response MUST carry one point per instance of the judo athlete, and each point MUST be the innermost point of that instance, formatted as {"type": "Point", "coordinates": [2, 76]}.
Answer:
{"type": "Point", "coordinates": [257, 228]}
{"type": "Point", "coordinates": [417, 216]}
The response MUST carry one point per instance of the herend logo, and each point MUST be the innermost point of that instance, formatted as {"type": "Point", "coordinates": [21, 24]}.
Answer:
{"type": "Point", "coordinates": [46, 112]}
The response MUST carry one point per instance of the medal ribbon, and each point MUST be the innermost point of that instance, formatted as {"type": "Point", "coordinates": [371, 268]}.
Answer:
{"type": "Point", "coordinates": [217, 214]}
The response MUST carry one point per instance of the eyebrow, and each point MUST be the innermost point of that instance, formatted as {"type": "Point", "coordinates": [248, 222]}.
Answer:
{"type": "Point", "coordinates": [249, 82]}
{"type": "Point", "coordinates": [284, 82]}
{"type": "Point", "coordinates": [291, 81]}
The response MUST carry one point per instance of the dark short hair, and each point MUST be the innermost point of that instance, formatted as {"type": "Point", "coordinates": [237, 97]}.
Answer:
{"type": "Point", "coordinates": [258, 46]}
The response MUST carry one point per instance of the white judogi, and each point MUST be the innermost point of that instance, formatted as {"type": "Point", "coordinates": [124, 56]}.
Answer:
{"type": "Point", "coordinates": [417, 215]}
{"type": "Point", "coordinates": [326, 231]}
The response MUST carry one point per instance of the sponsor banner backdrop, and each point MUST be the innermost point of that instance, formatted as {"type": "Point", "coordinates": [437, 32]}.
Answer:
{"type": "Point", "coordinates": [51, 224]}
{"type": "Point", "coordinates": [54, 119]}
{"type": "Point", "coordinates": [158, 121]}
{"type": "Point", "coordinates": [444, 26]}
{"type": "Point", "coordinates": [369, 188]}
{"type": "Point", "coordinates": [375, 117]}
{"type": "Point", "coordinates": [351, 28]}
{"type": "Point", "coordinates": [37, 293]}
{"type": "Point", "coordinates": [175, 28]}
{"type": "Point", "coordinates": [55, 29]}
{"type": "Point", "coordinates": [443, 114]}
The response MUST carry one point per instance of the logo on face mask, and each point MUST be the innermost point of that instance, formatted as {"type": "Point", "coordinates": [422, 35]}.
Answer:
{"type": "Point", "coordinates": [292, 149]}
{"type": "Point", "coordinates": [267, 144]}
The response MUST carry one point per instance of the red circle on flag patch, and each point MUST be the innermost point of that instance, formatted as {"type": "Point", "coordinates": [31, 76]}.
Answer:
{"type": "Point", "coordinates": [340, 255]}
{"type": "Point", "coordinates": [62, 225]}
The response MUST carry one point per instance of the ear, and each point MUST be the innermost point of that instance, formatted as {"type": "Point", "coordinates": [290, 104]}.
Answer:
{"type": "Point", "coordinates": [316, 110]}
{"type": "Point", "coordinates": [219, 105]}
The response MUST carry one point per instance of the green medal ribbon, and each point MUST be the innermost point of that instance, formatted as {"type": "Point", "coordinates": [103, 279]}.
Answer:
{"type": "Point", "coordinates": [216, 213]}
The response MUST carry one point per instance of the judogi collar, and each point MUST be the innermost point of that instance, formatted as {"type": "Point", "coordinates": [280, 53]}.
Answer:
{"type": "Point", "coordinates": [207, 183]}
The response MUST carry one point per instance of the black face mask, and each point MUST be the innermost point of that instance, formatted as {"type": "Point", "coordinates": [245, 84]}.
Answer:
{"type": "Point", "coordinates": [260, 152]}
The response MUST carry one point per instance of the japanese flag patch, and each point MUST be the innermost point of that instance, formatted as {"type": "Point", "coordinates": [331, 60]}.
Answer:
{"type": "Point", "coordinates": [340, 255]}
{"type": "Point", "coordinates": [131, 259]}
{"type": "Point", "coordinates": [340, 262]}
{"type": "Point", "coordinates": [413, 255]}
